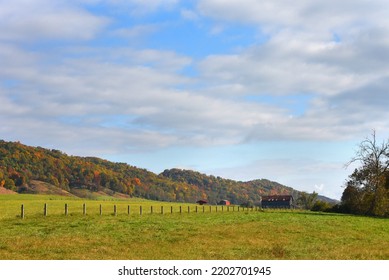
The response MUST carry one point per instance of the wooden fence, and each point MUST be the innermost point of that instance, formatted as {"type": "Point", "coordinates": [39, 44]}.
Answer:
{"type": "Point", "coordinates": [140, 210]}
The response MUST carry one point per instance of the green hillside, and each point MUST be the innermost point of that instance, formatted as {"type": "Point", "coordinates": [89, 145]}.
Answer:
{"type": "Point", "coordinates": [26, 169]}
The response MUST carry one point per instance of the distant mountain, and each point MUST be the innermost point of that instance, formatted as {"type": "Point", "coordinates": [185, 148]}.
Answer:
{"type": "Point", "coordinates": [26, 169]}
{"type": "Point", "coordinates": [327, 199]}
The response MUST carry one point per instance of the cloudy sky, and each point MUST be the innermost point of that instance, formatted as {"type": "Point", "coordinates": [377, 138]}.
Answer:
{"type": "Point", "coordinates": [242, 89]}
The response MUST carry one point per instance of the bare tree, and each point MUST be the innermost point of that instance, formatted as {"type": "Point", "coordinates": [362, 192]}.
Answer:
{"type": "Point", "coordinates": [371, 177]}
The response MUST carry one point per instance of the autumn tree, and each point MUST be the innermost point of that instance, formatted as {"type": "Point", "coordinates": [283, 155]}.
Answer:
{"type": "Point", "coordinates": [367, 190]}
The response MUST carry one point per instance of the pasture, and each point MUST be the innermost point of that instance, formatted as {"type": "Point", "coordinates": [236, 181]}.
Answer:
{"type": "Point", "coordinates": [282, 234]}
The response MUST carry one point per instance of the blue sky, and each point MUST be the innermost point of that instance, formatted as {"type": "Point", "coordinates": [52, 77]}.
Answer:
{"type": "Point", "coordinates": [238, 89]}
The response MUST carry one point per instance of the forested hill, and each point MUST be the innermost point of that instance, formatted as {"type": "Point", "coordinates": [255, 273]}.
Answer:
{"type": "Point", "coordinates": [23, 167]}
{"type": "Point", "coordinates": [218, 188]}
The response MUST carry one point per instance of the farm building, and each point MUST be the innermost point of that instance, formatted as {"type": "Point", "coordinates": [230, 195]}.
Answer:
{"type": "Point", "coordinates": [202, 202]}
{"type": "Point", "coordinates": [277, 201]}
{"type": "Point", "coordinates": [224, 202]}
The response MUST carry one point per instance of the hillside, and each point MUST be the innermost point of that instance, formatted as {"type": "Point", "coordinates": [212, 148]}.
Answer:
{"type": "Point", "coordinates": [26, 169]}
{"type": "Point", "coordinates": [218, 188]}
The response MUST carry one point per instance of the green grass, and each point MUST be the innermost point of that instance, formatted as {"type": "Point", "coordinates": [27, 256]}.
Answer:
{"type": "Point", "coordinates": [221, 235]}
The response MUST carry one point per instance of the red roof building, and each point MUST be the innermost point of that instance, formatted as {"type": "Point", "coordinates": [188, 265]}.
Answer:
{"type": "Point", "coordinates": [224, 202]}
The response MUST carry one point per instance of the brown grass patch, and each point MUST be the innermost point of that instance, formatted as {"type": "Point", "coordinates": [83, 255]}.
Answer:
{"type": "Point", "coordinates": [6, 191]}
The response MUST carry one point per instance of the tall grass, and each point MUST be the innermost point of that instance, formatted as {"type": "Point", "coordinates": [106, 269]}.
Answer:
{"type": "Point", "coordinates": [209, 235]}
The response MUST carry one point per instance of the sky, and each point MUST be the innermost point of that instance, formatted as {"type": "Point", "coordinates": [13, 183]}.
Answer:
{"type": "Point", "coordinates": [242, 89]}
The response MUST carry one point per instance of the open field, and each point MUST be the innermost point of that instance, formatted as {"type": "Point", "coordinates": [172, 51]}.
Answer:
{"type": "Point", "coordinates": [215, 235]}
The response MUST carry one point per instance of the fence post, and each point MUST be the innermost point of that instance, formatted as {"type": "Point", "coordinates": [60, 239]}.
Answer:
{"type": "Point", "coordinates": [188, 209]}
{"type": "Point", "coordinates": [22, 211]}
{"type": "Point", "coordinates": [115, 210]}
{"type": "Point", "coordinates": [66, 209]}
{"type": "Point", "coordinates": [162, 210]}
{"type": "Point", "coordinates": [216, 208]}
{"type": "Point", "coordinates": [222, 208]}
{"type": "Point", "coordinates": [238, 208]}
{"type": "Point", "coordinates": [210, 208]}
{"type": "Point", "coordinates": [140, 210]}
{"type": "Point", "coordinates": [84, 209]}
{"type": "Point", "coordinates": [45, 210]}
{"type": "Point", "coordinates": [128, 210]}
{"type": "Point", "coordinates": [151, 209]}
{"type": "Point", "coordinates": [180, 209]}
{"type": "Point", "coordinates": [101, 210]}
{"type": "Point", "coordinates": [171, 209]}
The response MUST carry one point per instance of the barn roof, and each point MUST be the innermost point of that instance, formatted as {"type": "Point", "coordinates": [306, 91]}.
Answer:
{"type": "Point", "coordinates": [277, 198]}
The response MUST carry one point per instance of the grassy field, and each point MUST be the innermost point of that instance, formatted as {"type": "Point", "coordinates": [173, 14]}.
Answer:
{"type": "Point", "coordinates": [209, 235]}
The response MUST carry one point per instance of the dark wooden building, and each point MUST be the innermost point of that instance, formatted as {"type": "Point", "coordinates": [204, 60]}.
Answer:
{"type": "Point", "coordinates": [201, 202]}
{"type": "Point", "coordinates": [277, 201]}
{"type": "Point", "coordinates": [224, 202]}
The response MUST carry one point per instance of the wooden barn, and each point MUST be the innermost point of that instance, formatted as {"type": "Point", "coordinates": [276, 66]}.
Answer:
{"type": "Point", "coordinates": [224, 202]}
{"type": "Point", "coordinates": [277, 201]}
{"type": "Point", "coordinates": [201, 202]}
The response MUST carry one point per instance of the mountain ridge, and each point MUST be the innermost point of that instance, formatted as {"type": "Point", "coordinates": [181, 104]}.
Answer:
{"type": "Point", "coordinates": [22, 165]}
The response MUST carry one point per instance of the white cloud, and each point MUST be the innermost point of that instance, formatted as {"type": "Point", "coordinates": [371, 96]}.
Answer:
{"type": "Point", "coordinates": [141, 7]}
{"type": "Point", "coordinates": [144, 89]}
{"type": "Point", "coordinates": [321, 47]}
{"type": "Point", "coordinates": [136, 32]}
{"type": "Point", "coordinates": [289, 63]}
{"type": "Point", "coordinates": [23, 20]}
{"type": "Point", "coordinates": [156, 59]}
{"type": "Point", "coordinates": [303, 15]}
{"type": "Point", "coordinates": [189, 14]}
{"type": "Point", "coordinates": [334, 52]}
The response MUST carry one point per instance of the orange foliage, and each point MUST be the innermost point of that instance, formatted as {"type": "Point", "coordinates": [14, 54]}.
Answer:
{"type": "Point", "coordinates": [273, 192]}
{"type": "Point", "coordinates": [38, 155]}
{"type": "Point", "coordinates": [137, 182]}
